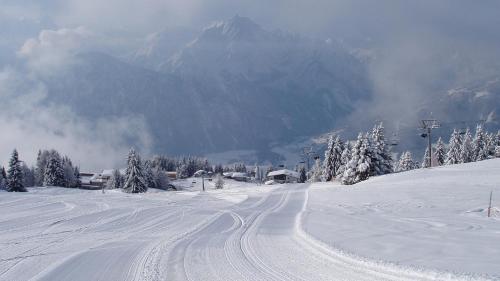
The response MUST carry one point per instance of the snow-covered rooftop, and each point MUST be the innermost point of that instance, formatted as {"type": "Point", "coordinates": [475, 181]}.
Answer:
{"type": "Point", "coordinates": [286, 172]}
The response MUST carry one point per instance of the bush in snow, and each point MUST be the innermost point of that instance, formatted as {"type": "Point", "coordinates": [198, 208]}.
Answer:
{"type": "Point", "coordinates": [134, 181]}
{"type": "Point", "coordinates": [219, 182]}
{"type": "Point", "coordinates": [15, 174]}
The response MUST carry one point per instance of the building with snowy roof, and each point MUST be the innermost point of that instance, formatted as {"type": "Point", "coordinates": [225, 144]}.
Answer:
{"type": "Point", "coordinates": [283, 176]}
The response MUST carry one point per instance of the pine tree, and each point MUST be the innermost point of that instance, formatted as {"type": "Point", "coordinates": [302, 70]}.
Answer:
{"type": "Point", "coordinates": [480, 150]}
{"type": "Point", "coordinates": [358, 168]}
{"type": "Point", "coordinates": [406, 162]}
{"type": "Point", "coordinates": [303, 174]}
{"type": "Point", "coordinates": [425, 160]}
{"type": "Point", "coordinates": [333, 155]}
{"type": "Point", "coordinates": [78, 179]}
{"type": "Point", "coordinates": [219, 182]}
{"type": "Point", "coordinates": [344, 160]}
{"type": "Point", "coordinates": [28, 175]}
{"type": "Point", "coordinates": [15, 174]}
{"type": "Point", "coordinates": [454, 147]}
{"type": "Point", "coordinates": [54, 172]}
{"type": "Point", "coordinates": [3, 173]}
{"type": "Point", "coordinates": [115, 181]}
{"type": "Point", "coordinates": [148, 175]}
{"type": "Point", "coordinates": [182, 171]}
{"type": "Point", "coordinates": [161, 179]}
{"type": "Point", "coordinates": [381, 162]}
{"type": "Point", "coordinates": [3, 179]}
{"type": "Point", "coordinates": [440, 153]}
{"type": "Point", "coordinates": [466, 148]}
{"type": "Point", "coordinates": [258, 175]}
{"type": "Point", "coordinates": [134, 182]}
{"type": "Point", "coordinates": [497, 151]}
{"type": "Point", "coordinates": [316, 173]}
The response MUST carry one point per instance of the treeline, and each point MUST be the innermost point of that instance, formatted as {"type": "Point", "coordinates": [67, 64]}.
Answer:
{"type": "Point", "coordinates": [187, 166]}
{"type": "Point", "coordinates": [139, 176]}
{"type": "Point", "coordinates": [353, 161]}
{"type": "Point", "coordinates": [51, 169]}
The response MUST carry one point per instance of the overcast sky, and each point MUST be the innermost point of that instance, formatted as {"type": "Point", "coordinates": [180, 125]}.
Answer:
{"type": "Point", "coordinates": [416, 43]}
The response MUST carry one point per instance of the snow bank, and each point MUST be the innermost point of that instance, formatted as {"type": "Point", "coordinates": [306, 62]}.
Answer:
{"type": "Point", "coordinates": [433, 218]}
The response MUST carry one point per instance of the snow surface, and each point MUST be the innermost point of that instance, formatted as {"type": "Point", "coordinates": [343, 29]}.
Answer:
{"type": "Point", "coordinates": [248, 232]}
{"type": "Point", "coordinates": [432, 218]}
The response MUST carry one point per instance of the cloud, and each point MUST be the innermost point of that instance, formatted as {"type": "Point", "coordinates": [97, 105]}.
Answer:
{"type": "Point", "coordinates": [54, 49]}
{"type": "Point", "coordinates": [30, 122]}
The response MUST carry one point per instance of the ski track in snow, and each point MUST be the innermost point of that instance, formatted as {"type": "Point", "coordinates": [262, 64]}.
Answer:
{"type": "Point", "coordinates": [90, 236]}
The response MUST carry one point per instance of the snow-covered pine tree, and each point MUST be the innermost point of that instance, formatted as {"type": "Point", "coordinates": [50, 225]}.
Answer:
{"type": "Point", "coordinates": [497, 151]}
{"type": "Point", "coordinates": [269, 169]}
{"type": "Point", "coordinates": [78, 179]}
{"type": "Point", "coordinates": [134, 183]}
{"type": "Point", "coordinates": [480, 150]}
{"type": "Point", "coordinates": [115, 181]}
{"type": "Point", "coordinates": [440, 152]}
{"type": "Point", "coordinates": [303, 174]}
{"type": "Point", "coordinates": [497, 139]}
{"type": "Point", "coordinates": [381, 159]}
{"type": "Point", "coordinates": [69, 172]}
{"type": "Point", "coordinates": [3, 179]}
{"type": "Point", "coordinates": [333, 155]}
{"type": "Point", "coordinates": [258, 175]}
{"type": "Point", "coordinates": [3, 173]}
{"type": "Point", "coordinates": [344, 160]}
{"type": "Point", "coordinates": [490, 144]}
{"type": "Point", "coordinates": [15, 174]}
{"type": "Point", "coordinates": [466, 149]}
{"type": "Point", "coordinates": [425, 160]}
{"type": "Point", "coordinates": [182, 171]}
{"type": "Point", "coordinates": [218, 169]}
{"type": "Point", "coordinates": [219, 182]}
{"type": "Point", "coordinates": [148, 174]}
{"type": "Point", "coordinates": [358, 167]}
{"type": "Point", "coordinates": [454, 147]}
{"type": "Point", "coordinates": [316, 173]}
{"type": "Point", "coordinates": [161, 179]}
{"type": "Point", "coordinates": [406, 162]}
{"type": "Point", "coordinates": [28, 175]}
{"type": "Point", "coordinates": [54, 172]}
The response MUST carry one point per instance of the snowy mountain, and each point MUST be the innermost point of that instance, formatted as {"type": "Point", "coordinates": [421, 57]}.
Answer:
{"type": "Point", "coordinates": [235, 86]}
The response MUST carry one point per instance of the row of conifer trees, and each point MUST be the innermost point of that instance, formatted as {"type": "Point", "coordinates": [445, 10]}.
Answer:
{"type": "Point", "coordinates": [354, 161]}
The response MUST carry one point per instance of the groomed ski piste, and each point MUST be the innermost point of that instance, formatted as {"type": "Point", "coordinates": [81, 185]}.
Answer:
{"type": "Point", "coordinates": [428, 224]}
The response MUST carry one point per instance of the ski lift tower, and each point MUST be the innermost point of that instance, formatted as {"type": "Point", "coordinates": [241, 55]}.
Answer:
{"type": "Point", "coordinates": [428, 125]}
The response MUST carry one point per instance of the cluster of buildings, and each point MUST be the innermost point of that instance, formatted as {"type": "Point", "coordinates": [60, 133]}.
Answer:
{"type": "Point", "coordinates": [100, 180]}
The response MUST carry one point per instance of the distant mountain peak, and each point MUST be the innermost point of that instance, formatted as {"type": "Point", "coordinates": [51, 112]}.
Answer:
{"type": "Point", "coordinates": [235, 28]}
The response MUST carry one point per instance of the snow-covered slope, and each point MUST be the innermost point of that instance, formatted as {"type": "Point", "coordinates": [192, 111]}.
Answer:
{"type": "Point", "coordinates": [432, 218]}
